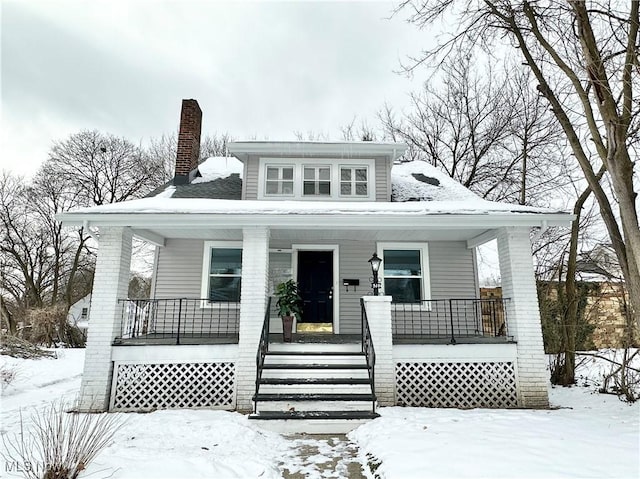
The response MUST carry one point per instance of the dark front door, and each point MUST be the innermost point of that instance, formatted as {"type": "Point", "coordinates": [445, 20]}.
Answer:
{"type": "Point", "coordinates": [315, 281]}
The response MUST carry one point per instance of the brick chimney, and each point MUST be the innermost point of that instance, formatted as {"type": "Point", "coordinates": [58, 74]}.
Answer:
{"type": "Point", "coordinates": [188, 142]}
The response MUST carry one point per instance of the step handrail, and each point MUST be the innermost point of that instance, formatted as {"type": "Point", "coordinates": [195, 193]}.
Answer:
{"type": "Point", "coordinates": [263, 349]}
{"type": "Point", "coordinates": [369, 351]}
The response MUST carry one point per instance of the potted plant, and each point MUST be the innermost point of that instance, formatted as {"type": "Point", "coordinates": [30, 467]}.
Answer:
{"type": "Point", "coordinates": [288, 304]}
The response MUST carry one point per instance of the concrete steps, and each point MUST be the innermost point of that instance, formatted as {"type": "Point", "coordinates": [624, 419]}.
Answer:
{"type": "Point", "coordinates": [314, 388]}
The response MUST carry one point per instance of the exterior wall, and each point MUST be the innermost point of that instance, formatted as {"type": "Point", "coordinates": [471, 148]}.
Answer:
{"type": "Point", "coordinates": [523, 316]}
{"type": "Point", "coordinates": [452, 269]}
{"type": "Point", "coordinates": [250, 179]}
{"type": "Point", "coordinates": [353, 264]}
{"type": "Point", "coordinates": [179, 269]}
{"type": "Point", "coordinates": [75, 312]}
{"type": "Point", "coordinates": [605, 310]}
{"type": "Point", "coordinates": [382, 178]}
{"type": "Point", "coordinates": [179, 272]}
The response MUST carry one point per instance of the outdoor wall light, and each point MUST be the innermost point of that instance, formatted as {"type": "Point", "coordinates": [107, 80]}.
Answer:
{"type": "Point", "coordinates": [375, 267]}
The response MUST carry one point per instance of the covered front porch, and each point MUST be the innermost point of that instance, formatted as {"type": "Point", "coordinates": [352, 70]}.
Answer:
{"type": "Point", "coordinates": [186, 325]}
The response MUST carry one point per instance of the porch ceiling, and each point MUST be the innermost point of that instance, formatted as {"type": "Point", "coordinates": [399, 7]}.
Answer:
{"type": "Point", "coordinates": [320, 234]}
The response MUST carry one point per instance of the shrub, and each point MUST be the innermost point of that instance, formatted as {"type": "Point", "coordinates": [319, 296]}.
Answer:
{"type": "Point", "coordinates": [49, 327]}
{"type": "Point", "coordinates": [59, 444]}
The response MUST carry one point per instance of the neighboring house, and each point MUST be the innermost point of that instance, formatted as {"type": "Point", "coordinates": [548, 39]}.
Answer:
{"type": "Point", "coordinates": [608, 301]}
{"type": "Point", "coordinates": [230, 229]}
{"type": "Point", "coordinates": [599, 264]}
{"type": "Point", "coordinates": [78, 314]}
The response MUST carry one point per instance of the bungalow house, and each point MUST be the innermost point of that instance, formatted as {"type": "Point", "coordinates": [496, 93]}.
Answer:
{"type": "Point", "coordinates": [229, 230]}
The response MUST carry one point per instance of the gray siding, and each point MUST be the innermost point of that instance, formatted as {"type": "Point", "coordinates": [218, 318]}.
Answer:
{"type": "Point", "coordinates": [250, 181]}
{"type": "Point", "coordinates": [383, 179]}
{"type": "Point", "coordinates": [179, 269]}
{"type": "Point", "coordinates": [451, 268]}
{"type": "Point", "coordinates": [354, 257]}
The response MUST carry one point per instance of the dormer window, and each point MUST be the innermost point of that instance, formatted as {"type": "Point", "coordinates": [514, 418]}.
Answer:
{"type": "Point", "coordinates": [353, 181]}
{"type": "Point", "coordinates": [325, 179]}
{"type": "Point", "coordinates": [279, 180]}
{"type": "Point", "coordinates": [317, 181]}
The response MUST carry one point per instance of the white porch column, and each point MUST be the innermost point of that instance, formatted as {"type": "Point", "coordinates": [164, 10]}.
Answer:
{"type": "Point", "coordinates": [379, 316]}
{"type": "Point", "coordinates": [523, 315]}
{"type": "Point", "coordinates": [253, 302]}
{"type": "Point", "coordinates": [111, 282]}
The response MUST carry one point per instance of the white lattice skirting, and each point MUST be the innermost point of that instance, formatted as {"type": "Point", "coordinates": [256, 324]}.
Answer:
{"type": "Point", "coordinates": [146, 387]}
{"type": "Point", "coordinates": [460, 385]}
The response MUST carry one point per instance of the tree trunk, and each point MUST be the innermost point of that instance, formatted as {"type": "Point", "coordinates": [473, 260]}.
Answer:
{"type": "Point", "coordinates": [6, 315]}
{"type": "Point", "coordinates": [566, 376]}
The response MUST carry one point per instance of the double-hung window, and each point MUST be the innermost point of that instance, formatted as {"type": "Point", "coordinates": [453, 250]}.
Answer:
{"type": "Point", "coordinates": [405, 275]}
{"type": "Point", "coordinates": [317, 181]}
{"type": "Point", "coordinates": [222, 273]}
{"type": "Point", "coordinates": [353, 181]}
{"type": "Point", "coordinates": [279, 181]}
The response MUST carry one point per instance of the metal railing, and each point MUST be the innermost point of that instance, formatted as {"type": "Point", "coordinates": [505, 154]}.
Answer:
{"type": "Point", "coordinates": [450, 319]}
{"type": "Point", "coordinates": [368, 350]}
{"type": "Point", "coordinates": [263, 349]}
{"type": "Point", "coordinates": [178, 320]}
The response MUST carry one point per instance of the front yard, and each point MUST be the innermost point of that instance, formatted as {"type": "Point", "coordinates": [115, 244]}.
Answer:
{"type": "Point", "coordinates": [585, 435]}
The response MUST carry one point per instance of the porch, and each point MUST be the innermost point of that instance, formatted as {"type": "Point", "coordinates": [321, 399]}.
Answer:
{"type": "Point", "coordinates": [324, 377]}
{"type": "Point", "coordinates": [160, 352]}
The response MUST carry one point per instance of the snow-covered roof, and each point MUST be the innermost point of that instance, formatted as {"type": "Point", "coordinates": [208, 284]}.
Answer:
{"type": "Point", "coordinates": [218, 167]}
{"type": "Point", "coordinates": [419, 181]}
{"type": "Point", "coordinates": [418, 189]}
{"type": "Point", "coordinates": [160, 204]}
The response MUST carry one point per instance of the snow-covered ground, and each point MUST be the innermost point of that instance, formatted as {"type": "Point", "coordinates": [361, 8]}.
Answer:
{"type": "Point", "coordinates": [586, 435]}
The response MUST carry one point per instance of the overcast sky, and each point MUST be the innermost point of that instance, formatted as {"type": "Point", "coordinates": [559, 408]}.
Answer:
{"type": "Point", "coordinates": [258, 70]}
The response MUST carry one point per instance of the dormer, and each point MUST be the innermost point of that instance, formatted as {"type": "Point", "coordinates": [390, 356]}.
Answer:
{"type": "Point", "coordinates": [317, 171]}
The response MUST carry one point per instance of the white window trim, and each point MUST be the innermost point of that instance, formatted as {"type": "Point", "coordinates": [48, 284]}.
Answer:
{"type": "Point", "coordinates": [316, 180]}
{"type": "Point", "coordinates": [298, 178]}
{"type": "Point", "coordinates": [424, 264]}
{"type": "Point", "coordinates": [206, 261]}
{"type": "Point", "coordinates": [264, 182]}
{"type": "Point", "coordinates": [353, 182]}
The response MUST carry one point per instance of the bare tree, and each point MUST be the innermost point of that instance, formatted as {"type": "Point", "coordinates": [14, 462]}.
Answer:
{"type": "Point", "coordinates": [42, 264]}
{"type": "Point", "coordinates": [361, 132]}
{"type": "Point", "coordinates": [23, 245]}
{"type": "Point", "coordinates": [311, 136]}
{"type": "Point", "coordinates": [104, 168]}
{"type": "Point", "coordinates": [484, 128]}
{"type": "Point", "coordinates": [534, 142]}
{"type": "Point", "coordinates": [584, 58]}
